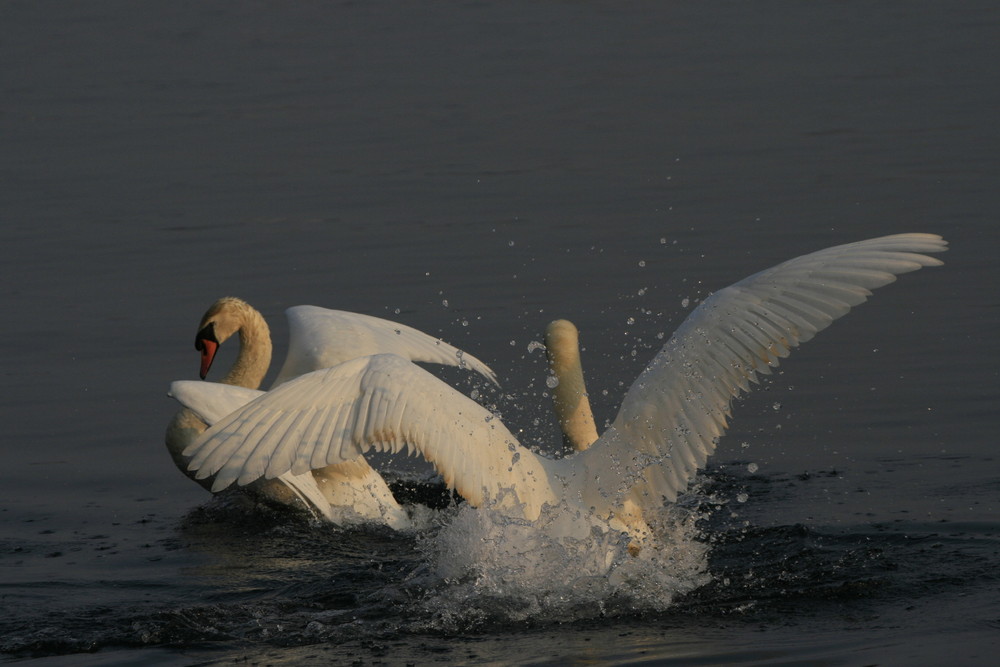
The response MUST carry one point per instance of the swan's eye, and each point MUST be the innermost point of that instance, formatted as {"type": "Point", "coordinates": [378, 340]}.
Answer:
{"type": "Point", "coordinates": [207, 333]}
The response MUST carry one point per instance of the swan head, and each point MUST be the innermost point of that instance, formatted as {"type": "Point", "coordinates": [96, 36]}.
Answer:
{"type": "Point", "coordinates": [561, 335]}
{"type": "Point", "coordinates": [224, 318]}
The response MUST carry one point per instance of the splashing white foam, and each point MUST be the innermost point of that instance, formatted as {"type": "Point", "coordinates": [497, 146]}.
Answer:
{"type": "Point", "coordinates": [484, 567]}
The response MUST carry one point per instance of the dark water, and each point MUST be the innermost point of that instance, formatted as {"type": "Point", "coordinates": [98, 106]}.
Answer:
{"type": "Point", "coordinates": [474, 170]}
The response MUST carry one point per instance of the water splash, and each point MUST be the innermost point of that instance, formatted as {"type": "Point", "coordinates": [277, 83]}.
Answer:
{"type": "Point", "coordinates": [484, 568]}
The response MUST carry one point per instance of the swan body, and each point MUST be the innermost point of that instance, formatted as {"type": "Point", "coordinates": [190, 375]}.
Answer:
{"type": "Point", "coordinates": [342, 492]}
{"type": "Point", "coordinates": [668, 424]}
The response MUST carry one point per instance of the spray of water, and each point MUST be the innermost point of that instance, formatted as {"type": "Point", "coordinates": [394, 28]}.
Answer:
{"type": "Point", "coordinates": [484, 568]}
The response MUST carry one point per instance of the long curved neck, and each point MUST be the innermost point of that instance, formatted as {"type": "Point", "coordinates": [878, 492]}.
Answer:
{"type": "Point", "coordinates": [249, 369]}
{"type": "Point", "coordinates": [569, 397]}
{"type": "Point", "coordinates": [254, 357]}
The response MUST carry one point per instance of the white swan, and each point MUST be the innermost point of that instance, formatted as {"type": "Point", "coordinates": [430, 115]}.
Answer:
{"type": "Point", "coordinates": [668, 424]}
{"type": "Point", "coordinates": [319, 338]}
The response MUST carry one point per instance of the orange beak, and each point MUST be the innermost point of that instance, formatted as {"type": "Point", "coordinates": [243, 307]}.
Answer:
{"type": "Point", "coordinates": [206, 343]}
{"type": "Point", "coordinates": [208, 348]}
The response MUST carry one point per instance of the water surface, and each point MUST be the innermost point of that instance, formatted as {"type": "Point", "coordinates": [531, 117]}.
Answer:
{"type": "Point", "coordinates": [475, 170]}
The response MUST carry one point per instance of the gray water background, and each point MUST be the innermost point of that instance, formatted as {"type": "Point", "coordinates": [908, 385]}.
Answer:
{"type": "Point", "coordinates": [475, 170]}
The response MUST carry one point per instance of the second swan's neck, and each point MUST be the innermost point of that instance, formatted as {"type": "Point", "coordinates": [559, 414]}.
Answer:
{"type": "Point", "coordinates": [572, 407]}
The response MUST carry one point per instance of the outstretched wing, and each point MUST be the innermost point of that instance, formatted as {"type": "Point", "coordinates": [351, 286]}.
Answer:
{"type": "Point", "coordinates": [322, 338]}
{"type": "Point", "coordinates": [382, 401]}
{"type": "Point", "coordinates": [675, 411]}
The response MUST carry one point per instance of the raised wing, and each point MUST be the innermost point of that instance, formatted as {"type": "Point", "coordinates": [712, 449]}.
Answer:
{"type": "Point", "coordinates": [383, 402]}
{"type": "Point", "coordinates": [322, 338]}
{"type": "Point", "coordinates": [675, 411]}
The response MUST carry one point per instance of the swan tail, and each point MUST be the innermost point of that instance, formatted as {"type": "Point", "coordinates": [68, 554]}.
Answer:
{"type": "Point", "coordinates": [305, 489]}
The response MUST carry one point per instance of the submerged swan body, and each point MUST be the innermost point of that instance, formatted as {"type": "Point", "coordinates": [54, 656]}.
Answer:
{"type": "Point", "coordinates": [341, 492]}
{"type": "Point", "coordinates": [668, 424]}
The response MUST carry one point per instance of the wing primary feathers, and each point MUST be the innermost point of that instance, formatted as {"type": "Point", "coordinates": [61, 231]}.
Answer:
{"type": "Point", "coordinates": [736, 333]}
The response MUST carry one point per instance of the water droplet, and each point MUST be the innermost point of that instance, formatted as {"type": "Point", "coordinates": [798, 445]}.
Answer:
{"type": "Point", "coordinates": [752, 468]}
{"type": "Point", "coordinates": [642, 262]}
{"type": "Point", "coordinates": [510, 244]}
{"type": "Point", "coordinates": [474, 394]}
{"type": "Point", "coordinates": [685, 302]}
{"type": "Point", "coordinates": [552, 382]}
{"type": "Point", "coordinates": [742, 497]}
{"type": "Point", "coordinates": [776, 406]}
{"type": "Point", "coordinates": [630, 320]}
{"type": "Point", "coordinates": [396, 311]}
{"type": "Point", "coordinates": [444, 302]}
{"type": "Point", "coordinates": [465, 323]}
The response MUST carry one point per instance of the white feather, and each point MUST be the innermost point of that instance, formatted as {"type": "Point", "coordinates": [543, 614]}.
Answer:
{"type": "Point", "coordinates": [668, 424]}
